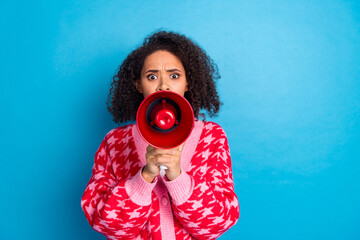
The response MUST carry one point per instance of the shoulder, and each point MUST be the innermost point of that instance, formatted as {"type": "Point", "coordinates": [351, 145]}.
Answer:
{"type": "Point", "coordinates": [213, 128]}
{"type": "Point", "coordinates": [119, 132]}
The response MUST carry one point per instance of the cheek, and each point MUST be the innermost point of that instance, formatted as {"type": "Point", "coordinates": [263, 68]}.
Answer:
{"type": "Point", "coordinates": [145, 85]}
{"type": "Point", "coordinates": [185, 85]}
{"type": "Point", "coordinates": [148, 88]}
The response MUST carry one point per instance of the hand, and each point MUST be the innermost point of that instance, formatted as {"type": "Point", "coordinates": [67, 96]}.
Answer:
{"type": "Point", "coordinates": [166, 157]}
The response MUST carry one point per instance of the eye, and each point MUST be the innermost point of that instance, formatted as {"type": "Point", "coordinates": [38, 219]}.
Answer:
{"type": "Point", "coordinates": [174, 76]}
{"type": "Point", "coordinates": [151, 77]}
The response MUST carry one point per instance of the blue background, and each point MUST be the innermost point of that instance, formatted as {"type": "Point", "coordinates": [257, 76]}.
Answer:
{"type": "Point", "coordinates": [290, 87]}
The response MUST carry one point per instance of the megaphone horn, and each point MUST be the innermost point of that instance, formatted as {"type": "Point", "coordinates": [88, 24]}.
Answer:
{"type": "Point", "coordinates": [165, 119]}
{"type": "Point", "coordinates": [163, 114]}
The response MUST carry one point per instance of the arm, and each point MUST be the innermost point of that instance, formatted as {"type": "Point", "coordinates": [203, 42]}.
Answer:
{"type": "Point", "coordinates": [117, 208]}
{"type": "Point", "coordinates": [205, 203]}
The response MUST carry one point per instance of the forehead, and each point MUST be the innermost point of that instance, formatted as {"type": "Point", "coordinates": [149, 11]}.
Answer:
{"type": "Point", "coordinates": [162, 58]}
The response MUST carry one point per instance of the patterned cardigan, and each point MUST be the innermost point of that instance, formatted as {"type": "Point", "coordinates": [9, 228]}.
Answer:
{"type": "Point", "coordinates": [199, 204]}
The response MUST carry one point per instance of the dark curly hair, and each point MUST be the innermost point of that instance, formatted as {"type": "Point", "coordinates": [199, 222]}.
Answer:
{"type": "Point", "coordinates": [201, 73]}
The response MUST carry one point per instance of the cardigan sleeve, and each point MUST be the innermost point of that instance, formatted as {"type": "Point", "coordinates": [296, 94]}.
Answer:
{"type": "Point", "coordinates": [205, 203]}
{"type": "Point", "coordinates": [117, 208]}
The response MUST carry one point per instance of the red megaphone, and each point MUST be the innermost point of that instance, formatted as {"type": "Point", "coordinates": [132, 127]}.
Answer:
{"type": "Point", "coordinates": [165, 119]}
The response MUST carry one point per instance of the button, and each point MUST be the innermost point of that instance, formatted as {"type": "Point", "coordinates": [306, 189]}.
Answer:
{"type": "Point", "coordinates": [164, 201]}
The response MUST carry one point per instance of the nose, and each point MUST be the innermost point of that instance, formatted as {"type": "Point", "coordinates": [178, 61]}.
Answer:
{"type": "Point", "coordinates": [163, 85]}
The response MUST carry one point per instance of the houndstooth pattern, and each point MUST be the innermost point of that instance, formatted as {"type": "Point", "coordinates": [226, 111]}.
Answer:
{"type": "Point", "coordinates": [211, 209]}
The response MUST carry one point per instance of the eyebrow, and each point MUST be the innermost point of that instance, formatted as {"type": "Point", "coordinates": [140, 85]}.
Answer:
{"type": "Point", "coordinates": [169, 70]}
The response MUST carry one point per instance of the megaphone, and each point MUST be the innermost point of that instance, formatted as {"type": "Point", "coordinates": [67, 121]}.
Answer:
{"type": "Point", "coordinates": [165, 120]}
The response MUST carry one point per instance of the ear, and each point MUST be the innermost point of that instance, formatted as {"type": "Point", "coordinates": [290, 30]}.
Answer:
{"type": "Point", "coordinates": [138, 86]}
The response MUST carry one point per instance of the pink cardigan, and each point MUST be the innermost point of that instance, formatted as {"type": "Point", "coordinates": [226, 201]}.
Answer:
{"type": "Point", "coordinates": [199, 204]}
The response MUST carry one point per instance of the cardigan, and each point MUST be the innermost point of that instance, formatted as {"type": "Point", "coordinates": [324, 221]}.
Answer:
{"type": "Point", "coordinates": [199, 204]}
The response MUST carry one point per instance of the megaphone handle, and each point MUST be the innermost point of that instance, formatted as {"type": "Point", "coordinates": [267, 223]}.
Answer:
{"type": "Point", "coordinates": [163, 167]}
{"type": "Point", "coordinates": [162, 170]}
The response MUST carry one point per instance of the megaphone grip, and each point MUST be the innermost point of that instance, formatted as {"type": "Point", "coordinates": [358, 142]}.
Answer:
{"type": "Point", "coordinates": [162, 170]}
{"type": "Point", "coordinates": [163, 167]}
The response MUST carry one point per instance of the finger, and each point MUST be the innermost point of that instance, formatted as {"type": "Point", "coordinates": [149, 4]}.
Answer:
{"type": "Point", "coordinates": [149, 156]}
{"type": "Point", "coordinates": [157, 151]}
{"type": "Point", "coordinates": [178, 148]}
{"type": "Point", "coordinates": [164, 151]}
{"type": "Point", "coordinates": [164, 159]}
{"type": "Point", "coordinates": [150, 148]}
{"type": "Point", "coordinates": [173, 153]}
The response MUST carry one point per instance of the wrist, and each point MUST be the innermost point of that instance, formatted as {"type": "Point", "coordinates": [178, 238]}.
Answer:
{"type": "Point", "coordinates": [172, 177]}
{"type": "Point", "coordinates": [147, 177]}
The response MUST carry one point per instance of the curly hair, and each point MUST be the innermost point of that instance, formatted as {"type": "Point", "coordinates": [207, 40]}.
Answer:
{"type": "Point", "coordinates": [201, 73]}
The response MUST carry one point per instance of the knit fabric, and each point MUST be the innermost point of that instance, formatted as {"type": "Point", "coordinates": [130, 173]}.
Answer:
{"type": "Point", "coordinates": [199, 204]}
